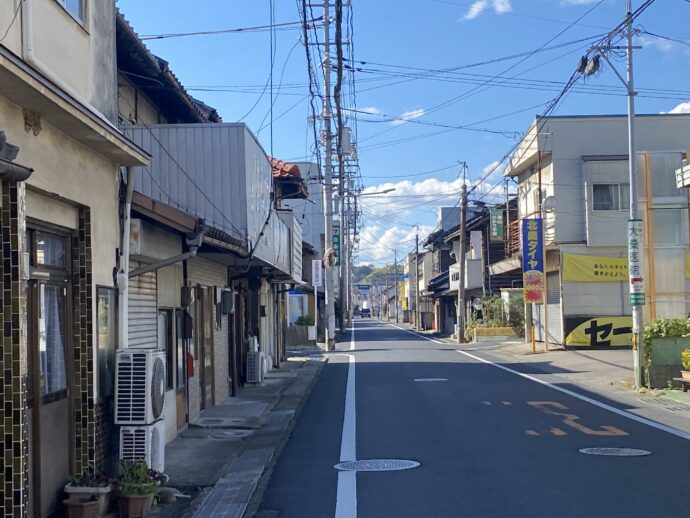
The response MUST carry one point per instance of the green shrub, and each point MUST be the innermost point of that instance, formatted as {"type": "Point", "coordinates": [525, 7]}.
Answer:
{"type": "Point", "coordinates": [137, 479]}
{"type": "Point", "coordinates": [516, 315]}
{"type": "Point", "coordinates": [685, 359]}
{"type": "Point", "coordinates": [664, 328]}
{"type": "Point", "coordinates": [304, 320]}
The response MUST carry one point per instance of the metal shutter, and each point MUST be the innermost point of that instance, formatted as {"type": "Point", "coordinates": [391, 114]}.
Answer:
{"type": "Point", "coordinates": [553, 286]}
{"type": "Point", "coordinates": [143, 309]}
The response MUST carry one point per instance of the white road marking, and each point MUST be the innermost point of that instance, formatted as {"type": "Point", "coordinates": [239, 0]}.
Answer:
{"type": "Point", "coordinates": [431, 379]}
{"type": "Point", "coordinates": [346, 496]}
{"type": "Point", "coordinates": [581, 397]}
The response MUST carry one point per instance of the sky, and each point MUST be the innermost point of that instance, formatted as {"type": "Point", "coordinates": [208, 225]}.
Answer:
{"type": "Point", "coordinates": [416, 127]}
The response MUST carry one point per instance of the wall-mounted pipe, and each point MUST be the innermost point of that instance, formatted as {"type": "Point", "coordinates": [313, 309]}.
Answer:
{"type": "Point", "coordinates": [122, 274]}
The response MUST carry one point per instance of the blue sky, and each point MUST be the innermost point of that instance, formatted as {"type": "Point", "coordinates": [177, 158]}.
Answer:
{"type": "Point", "coordinates": [418, 159]}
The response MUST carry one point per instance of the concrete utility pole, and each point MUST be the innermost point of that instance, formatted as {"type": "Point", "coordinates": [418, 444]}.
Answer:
{"type": "Point", "coordinates": [327, 137]}
{"type": "Point", "coordinates": [418, 322]}
{"type": "Point", "coordinates": [635, 224]}
{"type": "Point", "coordinates": [634, 216]}
{"type": "Point", "coordinates": [461, 259]}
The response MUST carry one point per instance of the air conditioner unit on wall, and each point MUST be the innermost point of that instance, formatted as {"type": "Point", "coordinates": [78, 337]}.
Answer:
{"type": "Point", "coordinates": [144, 443]}
{"type": "Point", "coordinates": [139, 386]}
{"type": "Point", "coordinates": [255, 367]}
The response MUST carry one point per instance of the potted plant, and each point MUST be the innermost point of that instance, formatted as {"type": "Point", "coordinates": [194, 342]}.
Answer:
{"type": "Point", "coordinates": [91, 485]}
{"type": "Point", "coordinates": [136, 487]}
{"type": "Point", "coordinates": [685, 362]}
{"type": "Point", "coordinates": [81, 506]}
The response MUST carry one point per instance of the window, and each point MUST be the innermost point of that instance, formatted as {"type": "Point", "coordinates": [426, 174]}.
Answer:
{"type": "Point", "coordinates": [610, 196]}
{"type": "Point", "coordinates": [51, 342]}
{"type": "Point", "coordinates": [165, 343]}
{"type": "Point", "coordinates": [107, 341]}
{"type": "Point", "coordinates": [74, 7]}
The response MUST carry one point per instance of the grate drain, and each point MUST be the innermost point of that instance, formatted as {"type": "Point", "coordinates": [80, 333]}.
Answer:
{"type": "Point", "coordinates": [615, 452]}
{"type": "Point", "coordinates": [376, 465]}
{"type": "Point", "coordinates": [431, 379]}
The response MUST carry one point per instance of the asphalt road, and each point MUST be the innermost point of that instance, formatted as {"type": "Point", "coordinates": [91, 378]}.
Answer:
{"type": "Point", "coordinates": [490, 442]}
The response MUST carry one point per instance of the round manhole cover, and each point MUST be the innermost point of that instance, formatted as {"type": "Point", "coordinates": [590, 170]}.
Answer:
{"type": "Point", "coordinates": [430, 379]}
{"type": "Point", "coordinates": [615, 452]}
{"type": "Point", "coordinates": [376, 465]}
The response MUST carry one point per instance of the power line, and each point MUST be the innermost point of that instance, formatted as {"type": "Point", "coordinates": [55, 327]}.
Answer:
{"type": "Point", "coordinates": [257, 28]}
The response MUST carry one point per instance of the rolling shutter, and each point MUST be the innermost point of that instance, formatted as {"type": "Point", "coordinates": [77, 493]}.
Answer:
{"type": "Point", "coordinates": [553, 286]}
{"type": "Point", "coordinates": [143, 310]}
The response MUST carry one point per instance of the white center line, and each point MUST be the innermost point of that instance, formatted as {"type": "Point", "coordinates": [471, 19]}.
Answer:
{"type": "Point", "coordinates": [581, 397]}
{"type": "Point", "coordinates": [346, 496]}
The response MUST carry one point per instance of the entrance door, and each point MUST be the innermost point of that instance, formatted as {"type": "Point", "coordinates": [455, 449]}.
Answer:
{"type": "Point", "coordinates": [49, 372]}
{"type": "Point", "coordinates": [205, 337]}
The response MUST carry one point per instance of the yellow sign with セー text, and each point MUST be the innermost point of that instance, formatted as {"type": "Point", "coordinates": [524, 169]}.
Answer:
{"type": "Point", "coordinates": [590, 268]}
{"type": "Point", "coordinates": [601, 332]}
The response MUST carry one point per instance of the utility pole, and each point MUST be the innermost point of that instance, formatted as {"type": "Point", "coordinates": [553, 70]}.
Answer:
{"type": "Point", "coordinates": [326, 116]}
{"type": "Point", "coordinates": [635, 223]}
{"type": "Point", "coordinates": [395, 280]}
{"type": "Point", "coordinates": [342, 253]}
{"type": "Point", "coordinates": [418, 322]}
{"type": "Point", "coordinates": [634, 216]}
{"type": "Point", "coordinates": [461, 259]}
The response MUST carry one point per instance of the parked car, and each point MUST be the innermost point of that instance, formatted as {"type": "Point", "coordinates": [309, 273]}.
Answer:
{"type": "Point", "coordinates": [366, 313]}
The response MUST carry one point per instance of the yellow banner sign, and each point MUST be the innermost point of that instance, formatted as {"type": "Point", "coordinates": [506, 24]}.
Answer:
{"type": "Point", "coordinates": [602, 331]}
{"type": "Point", "coordinates": [590, 268]}
{"type": "Point", "coordinates": [687, 266]}
{"type": "Point", "coordinates": [403, 295]}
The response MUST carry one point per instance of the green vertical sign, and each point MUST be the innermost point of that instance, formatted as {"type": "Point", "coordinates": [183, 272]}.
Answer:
{"type": "Point", "coordinates": [336, 241]}
{"type": "Point", "coordinates": [497, 230]}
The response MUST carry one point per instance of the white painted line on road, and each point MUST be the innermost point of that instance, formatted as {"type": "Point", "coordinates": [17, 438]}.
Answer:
{"type": "Point", "coordinates": [346, 495]}
{"type": "Point", "coordinates": [430, 379]}
{"type": "Point", "coordinates": [581, 397]}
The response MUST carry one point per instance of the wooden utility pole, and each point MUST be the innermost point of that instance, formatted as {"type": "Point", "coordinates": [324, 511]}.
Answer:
{"type": "Point", "coordinates": [461, 259]}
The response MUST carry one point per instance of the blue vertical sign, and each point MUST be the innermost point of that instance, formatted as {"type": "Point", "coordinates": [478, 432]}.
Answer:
{"type": "Point", "coordinates": [533, 260]}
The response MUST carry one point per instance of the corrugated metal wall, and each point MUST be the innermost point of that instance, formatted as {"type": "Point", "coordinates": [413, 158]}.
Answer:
{"type": "Point", "coordinates": [143, 309]}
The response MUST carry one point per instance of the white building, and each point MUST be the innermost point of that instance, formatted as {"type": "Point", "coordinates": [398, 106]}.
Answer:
{"type": "Point", "coordinates": [582, 163]}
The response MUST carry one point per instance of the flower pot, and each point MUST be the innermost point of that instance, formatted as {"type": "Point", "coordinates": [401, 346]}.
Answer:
{"type": "Point", "coordinates": [80, 507]}
{"type": "Point", "coordinates": [685, 375]}
{"type": "Point", "coordinates": [134, 506]}
{"type": "Point", "coordinates": [101, 493]}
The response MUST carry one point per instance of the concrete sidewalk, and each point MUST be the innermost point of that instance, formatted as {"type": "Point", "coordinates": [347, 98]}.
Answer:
{"type": "Point", "coordinates": [219, 460]}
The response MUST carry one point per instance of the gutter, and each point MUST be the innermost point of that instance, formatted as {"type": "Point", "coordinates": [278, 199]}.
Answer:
{"type": "Point", "coordinates": [122, 277]}
{"type": "Point", "coordinates": [14, 172]}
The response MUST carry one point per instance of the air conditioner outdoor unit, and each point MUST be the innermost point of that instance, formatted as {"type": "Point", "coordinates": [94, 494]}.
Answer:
{"type": "Point", "coordinates": [255, 367]}
{"type": "Point", "coordinates": [144, 443]}
{"type": "Point", "coordinates": [139, 386]}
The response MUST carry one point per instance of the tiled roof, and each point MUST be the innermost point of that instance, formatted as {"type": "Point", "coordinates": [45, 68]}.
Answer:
{"type": "Point", "coordinates": [285, 170]}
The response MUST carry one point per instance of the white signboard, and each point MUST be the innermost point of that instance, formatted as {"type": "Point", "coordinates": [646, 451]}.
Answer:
{"type": "Point", "coordinates": [635, 262]}
{"type": "Point", "coordinates": [316, 273]}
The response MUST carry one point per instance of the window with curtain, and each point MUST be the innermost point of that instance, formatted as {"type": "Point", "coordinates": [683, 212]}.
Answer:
{"type": "Point", "coordinates": [51, 341]}
{"type": "Point", "coordinates": [107, 341]}
{"type": "Point", "coordinates": [610, 196]}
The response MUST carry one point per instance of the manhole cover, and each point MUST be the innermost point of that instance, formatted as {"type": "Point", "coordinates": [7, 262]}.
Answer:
{"type": "Point", "coordinates": [376, 465]}
{"type": "Point", "coordinates": [232, 434]}
{"type": "Point", "coordinates": [431, 379]}
{"type": "Point", "coordinates": [615, 452]}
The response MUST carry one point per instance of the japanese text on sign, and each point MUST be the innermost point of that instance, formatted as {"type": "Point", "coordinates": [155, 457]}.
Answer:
{"type": "Point", "coordinates": [533, 260]}
{"type": "Point", "coordinates": [635, 262]}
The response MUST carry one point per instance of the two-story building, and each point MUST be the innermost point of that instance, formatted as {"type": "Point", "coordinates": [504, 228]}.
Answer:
{"type": "Point", "coordinates": [573, 172]}
{"type": "Point", "coordinates": [61, 240]}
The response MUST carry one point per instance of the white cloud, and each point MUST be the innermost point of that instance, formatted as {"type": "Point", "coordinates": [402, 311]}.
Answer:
{"type": "Point", "coordinates": [408, 116]}
{"type": "Point", "coordinates": [661, 44]}
{"type": "Point", "coordinates": [497, 6]}
{"type": "Point", "coordinates": [378, 244]}
{"type": "Point", "coordinates": [578, 2]}
{"type": "Point", "coordinates": [373, 110]}
{"type": "Point", "coordinates": [681, 108]}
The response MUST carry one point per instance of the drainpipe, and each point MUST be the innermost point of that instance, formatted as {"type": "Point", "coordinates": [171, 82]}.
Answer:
{"type": "Point", "coordinates": [122, 274]}
{"type": "Point", "coordinates": [29, 55]}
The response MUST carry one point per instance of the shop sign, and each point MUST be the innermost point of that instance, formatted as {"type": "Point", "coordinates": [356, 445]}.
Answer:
{"type": "Point", "coordinates": [636, 280]}
{"type": "Point", "coordinates": [316, 273]}
{"type": "Point", "coordinates": [533, 260]}
{"type": "Point", "coordinates": [591, 268]}
{"type": "Point", "coordinates": [497, 230]}
{"type": "Point", "coordinates": [598, 331]}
